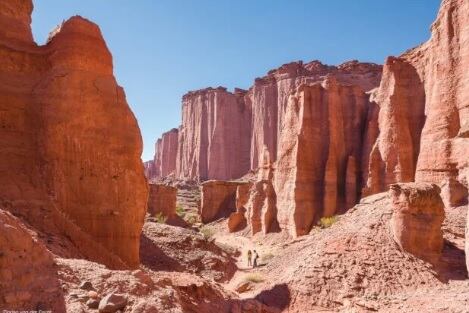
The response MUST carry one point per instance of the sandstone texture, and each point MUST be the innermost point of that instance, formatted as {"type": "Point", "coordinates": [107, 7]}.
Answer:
{"type": "Point", "coordinates": [175, 249]}
{"type": "Point", "coordinates": [214, 135]}
{"type": "Point", "coordinates": [269, 97]}
{"type": "Point", "coordinates": [218, 199]}
{"type": "Point", "coordinates": [23, 286]}
{"type": "Point", "coordinates": [355, 266]}
{"type": "Point", "coordinates": [418, 214]}
{"type": "Point", "coordinates": [162, 200]}
{"type": "Point", "coordinates": [70, 144]}
{"type": "Point", "coordinates": [164, 162]}
{"type": "Point", "coordinates": [424, 110]}
{"type": "Point", "coordinates": [324, 181]}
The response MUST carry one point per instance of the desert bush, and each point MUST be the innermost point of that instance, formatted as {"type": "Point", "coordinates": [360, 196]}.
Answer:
{"type": "Point", "coordinates": [160, 218]}
{"type": "Point", "coordinates": [180, 211]}
{"type": "Point", "coordinates": [191, 218]}
{"type": "Point", "coordinates": [266, 257]}
{"type": "Point", "coordinates": [207, 232]}
{"type": "Point", "coordinates": [326, 222]}
{"type": "Point", "coordinates": [253, 278]}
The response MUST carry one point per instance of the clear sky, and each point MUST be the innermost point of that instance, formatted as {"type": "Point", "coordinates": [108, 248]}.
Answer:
{"type": "Point", "coordinates": [163, 48]}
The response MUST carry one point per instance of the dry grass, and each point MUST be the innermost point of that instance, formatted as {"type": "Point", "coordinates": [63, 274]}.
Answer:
{"type": "Point", "coordinates": [207, 232]}
{"type": "Point", "coordinates": [253, 278]}
{"type": "Point", "coordinates": [326, 222]}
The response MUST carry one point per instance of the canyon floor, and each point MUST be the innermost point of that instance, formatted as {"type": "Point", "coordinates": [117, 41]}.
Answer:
{"type": "Point", "coordinates": [351, 266]}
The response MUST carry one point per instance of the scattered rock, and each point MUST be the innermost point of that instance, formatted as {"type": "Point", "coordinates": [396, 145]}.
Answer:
{"type": "Point", "coordinates": [112, 303]}
{"type": "Point", "coordinates": [86, 285]}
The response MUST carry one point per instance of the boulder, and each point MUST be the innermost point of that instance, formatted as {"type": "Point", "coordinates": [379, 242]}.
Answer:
{"type": "Point", "coordinates": [418, 213]}
{"type": "Point", "coordinates": [112, 303]}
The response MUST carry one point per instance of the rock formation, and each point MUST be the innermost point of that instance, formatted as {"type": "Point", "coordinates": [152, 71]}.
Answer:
{"type": "Point", "coordinates": [430, 79]}
{"type": "Point", "coordinates": [237, 220]}
{"type": "Point", "coordinates": [269, 97]}
{"type": "Point", "coordinates": [162, 200]}
{"type": "Point", "coordinates": [401, 116]}
{"type": "Point", "coordinates": [218, 199]}
{"type": "Point", "coordinates": [418, 214]}
{"type": "Point", "coordinates": [23, 286]}
{"type": "Point", "coordinates": [214, 135]}
{"type": "Point", "coordinates": [311, 183]}
{"type": "Point", "coordinates": [71, 145]}
{"type": "Point", "coordinates": [164, 162]}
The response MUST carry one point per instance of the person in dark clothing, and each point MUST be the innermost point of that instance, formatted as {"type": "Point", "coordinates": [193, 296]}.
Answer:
{"type": "Point", "coordinates": [249, 258]}
{"type": "Point", "coordinates": [255, 257]}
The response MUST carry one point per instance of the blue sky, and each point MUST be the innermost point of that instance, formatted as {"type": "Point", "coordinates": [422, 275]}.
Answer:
{"type": "Point", "coordinates": [163, 48]}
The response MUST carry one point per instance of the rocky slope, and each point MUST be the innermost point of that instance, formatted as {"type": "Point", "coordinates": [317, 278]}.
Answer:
{"type": "Point", "coordinates": [356, 265]}
{"type": "Point", "coordinates": [71, 146]}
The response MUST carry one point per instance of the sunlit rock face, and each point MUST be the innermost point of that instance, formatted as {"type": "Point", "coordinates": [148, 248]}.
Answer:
{"type": "Point", "coordinates": [424, 114]}
{"type": "Point", "coordinates": [70, 158]}
{"type": "Point", "coordinates": [269, 95]}
{"type": "Point", "coordinates": [214, 135]}
{"type": "Point", "coordinates": [164, 161]}
{"type": "Point", "coordinates": [418, 214]}
{"type": "Point", "coordinates": [317, 170]}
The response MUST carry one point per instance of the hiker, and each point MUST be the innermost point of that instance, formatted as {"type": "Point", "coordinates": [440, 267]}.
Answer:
{"type": "Point", "coordinates": [249, 258]}
{"type": "Point", "coordinates": [256, 256]}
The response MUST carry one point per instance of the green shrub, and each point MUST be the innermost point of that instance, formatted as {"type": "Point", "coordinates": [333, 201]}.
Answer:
{"type": "Point", "coordinates": [326, 222]}
{"type": "Point", "coordinates": [207, 232]}
{"type": "Point", "coordinates": [160, 218]}
{"type": "Point", "coordinates": [180, 211]}
{"type": "Point", "coordinates": [253, 278]}
{"type": "Point", "coordinates": [191, 218]}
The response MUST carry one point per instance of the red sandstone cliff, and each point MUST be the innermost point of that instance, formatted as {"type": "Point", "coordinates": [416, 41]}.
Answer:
{"type": "Point", "coordinates": [320, 149]}
{"type": "Point", "coordinates": [430, 80]}
{"type": "Point", "coordinates": [164, 162]}
{"type": "Point", "coordinates": [269, 96]}
{"type": "Point", "coordinates": [214, 136]}
{"type": "Point", "coordinates": [71, 147]}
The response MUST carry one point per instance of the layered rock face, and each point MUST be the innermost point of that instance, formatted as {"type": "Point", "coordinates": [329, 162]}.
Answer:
{"type": "Point", "coordinates": [401, 98]}
{"type": "Point", "coordinates": [430, 80]}
{"type": "Point", "coordinates": [269, 97]}
{"type": "Point", "coordinates": [418, 213]}
{"type": "Point", "coordinates": [71, 145]}
{"type": "Point", "coordinates": [214, 136]}
{"type": "Point", "coordinates": [23, 286]}
{"type": "Point", "coordinates": [162, 200]}
{"type": "Point", "coordinates": [164, 162]}
{"type": "Point", "coordinates": [321, 181]}
{"type": "Point", "coordinates": [218, 199]}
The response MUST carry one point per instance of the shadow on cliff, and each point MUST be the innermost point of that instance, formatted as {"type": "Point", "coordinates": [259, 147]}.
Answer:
{"type": "Point", "coordinates": [452, 265]}
{"type": "Point", "coordinates": [277, 297]}
{"type": "Point", "coordinates": [154, 257]}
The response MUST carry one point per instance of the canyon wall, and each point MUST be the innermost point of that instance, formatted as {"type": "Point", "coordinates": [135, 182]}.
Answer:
{"type": "Point", "coordinates": [70, 156]}
{"type": "Point", "coordinates": [214, 136]}
{"type": "Point", "coordinates": [314, 182]}
{"type": "Point", "coordinates": [424, 117]}
{"type": "Point", "coordinates": [164, 161]}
